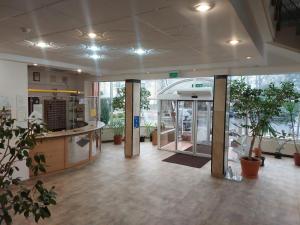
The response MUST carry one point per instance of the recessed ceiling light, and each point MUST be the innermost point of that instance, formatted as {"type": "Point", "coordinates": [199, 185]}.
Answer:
{"type": "Point", "coordinates": [248, 57]}
{"type": "Point", "coordinates": [94, 48]}
{"type": "Point", "coordinates": [42, 44]}
{"type": "Point", "coordinates": [35, 64]}
{"type": "Point", "coordinates": [79, 70]}
{"type": "Point", "coordinates": [92, 35]}
{"type": "Point", "coordinates": [95, 56]}
{"type": "Point", "coordinates": [234, 42]}
{"type": "Point", "coordinates": [203, 6]}
{"type": "Point", "coordinates": [141, 51]}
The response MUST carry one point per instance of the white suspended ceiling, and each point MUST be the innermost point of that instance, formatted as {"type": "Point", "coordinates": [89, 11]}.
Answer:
{"type": "Point", "coordinates": [178, 35]}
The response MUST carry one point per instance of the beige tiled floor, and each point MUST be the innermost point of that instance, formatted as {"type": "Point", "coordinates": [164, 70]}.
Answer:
{"type": "Point", "coordinates": [118, 191]}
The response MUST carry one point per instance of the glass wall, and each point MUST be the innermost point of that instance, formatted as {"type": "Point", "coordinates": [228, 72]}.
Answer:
{"type": "Point", "coordinates": [109, 90]}
{"type": "Point", "coordinates": [168, 125]}
{"type": "Point", "coordinates": [281, 123]}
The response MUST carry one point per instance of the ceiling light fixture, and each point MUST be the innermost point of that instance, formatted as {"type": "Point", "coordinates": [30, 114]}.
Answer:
{"type": "Point", "coordinates": [42, 44]}
{"type": "Point", "coordinates": [79, 70]}
{"type": "Point", "coordinates": [203, 7]}
{"type": "Point", "coordinates": [234, 42]}
{"type": "Point", "coordinates": [35, 64]}
{"type": "Point", "coordinates": [94, 48]}
{"type": "Point", "coordinates": [95, 56]}
{"type": "Point", "coordinates": [248, 57]}
{"type": "Point", "coordinates": [141, 51]}
{"type": "Point", "coordinates": [92, 35]}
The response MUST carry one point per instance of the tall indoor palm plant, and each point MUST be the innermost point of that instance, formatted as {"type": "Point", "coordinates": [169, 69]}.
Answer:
{"type": "Point", "coordinates": [256, 107]}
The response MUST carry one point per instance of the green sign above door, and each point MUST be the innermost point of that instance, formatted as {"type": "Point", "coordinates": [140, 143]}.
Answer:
{"type": "Point", "coordinates": [174, 74]}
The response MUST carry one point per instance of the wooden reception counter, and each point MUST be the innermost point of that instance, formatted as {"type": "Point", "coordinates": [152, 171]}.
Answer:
{"type": "Point", "coordinates": [69, 148]}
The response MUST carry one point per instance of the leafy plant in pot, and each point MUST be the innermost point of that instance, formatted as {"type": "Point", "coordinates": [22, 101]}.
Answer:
{"type": "Point", "coordinates": [266, 128]}
{"type": "Point", "coordinates": [256, 107]}
{"type": "Point", "coordinates": [291, 106]}
{"type": "Point", "coordinates": [117, 124]}
{"type": "Point", "coordinates": [16, 198]}
{"type": "Point", "coordinates": [148, 129]}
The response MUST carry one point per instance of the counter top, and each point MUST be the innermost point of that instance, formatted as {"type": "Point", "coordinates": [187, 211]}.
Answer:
{"type": "Point", "coordinates": [91, 126]}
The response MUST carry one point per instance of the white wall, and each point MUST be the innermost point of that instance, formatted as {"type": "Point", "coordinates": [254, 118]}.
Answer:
{"type": "Point", "coordinates": [13, 83]}
{"type": "Point", "coordinates": [51, 79]}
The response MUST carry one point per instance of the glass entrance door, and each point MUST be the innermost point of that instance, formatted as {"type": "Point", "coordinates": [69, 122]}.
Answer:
{"type": "Point", "coordinates": [184, 134]}
{"type": "Point", "coordinates": [193, 130]}
{"type": "Point", "coordinates": [203, 120]}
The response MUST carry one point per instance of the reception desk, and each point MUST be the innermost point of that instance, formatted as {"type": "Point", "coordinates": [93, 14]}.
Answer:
{"type": "Point", "coordinates": [69, 148]}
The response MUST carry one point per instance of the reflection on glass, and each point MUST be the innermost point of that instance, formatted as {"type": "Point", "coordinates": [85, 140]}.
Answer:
{"type": "Point", "coordinates": [167, 125]}
{"type": "Point", "coordinates": [203, 141]}
{"type": "Point", "coordinates": [185, 126]}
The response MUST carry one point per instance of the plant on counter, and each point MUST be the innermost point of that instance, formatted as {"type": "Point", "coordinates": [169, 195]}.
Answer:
{"type": "Point", "coordinates": [16, 198]}
{"type": "Point", "coordinates": [119, 101]}
{"type": "Point", "coordinates": [117, 124]}
{"type": "Point", "coordinates": [256, 107]}
{"type": "Point", "coordinates": [291, 106]}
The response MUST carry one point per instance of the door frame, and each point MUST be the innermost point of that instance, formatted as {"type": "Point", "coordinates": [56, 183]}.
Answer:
{"type": "Point", "coordinates": [194, 127]}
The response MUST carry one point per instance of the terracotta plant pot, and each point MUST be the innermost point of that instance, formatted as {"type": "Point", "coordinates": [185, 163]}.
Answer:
{"type": "Point", "coordinates": [257, 152]}
{"type": "Point", "coordinates": [297, 159]}
{"type": "Point", "coordinates": [118, 139]}
{"type": "Point", "coordinates": [154, 137]}
{"type": "Point", "coordinates": [250, 167]}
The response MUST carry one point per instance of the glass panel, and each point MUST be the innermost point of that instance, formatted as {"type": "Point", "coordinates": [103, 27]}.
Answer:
{"type": "Point", "coordinates": [167, 125]}
{"type": "Point", "coordinates": [185, 126]}
{"type": "Point", "coordinates": [203, 128]}
{"type": "Point", "coordinates": [78, 148]}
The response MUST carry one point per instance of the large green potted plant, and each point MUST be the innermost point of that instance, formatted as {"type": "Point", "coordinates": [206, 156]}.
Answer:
{"type": "Point", "coordinates": [291, 106]}
{"type": "Point", "coordinates": [256, 107]}
{"type": "Point", "coordinates": [119, 101]}
{"type": "Point", "coordinates": [16, 198]}
{"type": "Point", "coordinates": [148, 129]}
{"type": "Point", "coordinates": [117, 124]}
{"type": "Point", "coordinates": [266, 128]}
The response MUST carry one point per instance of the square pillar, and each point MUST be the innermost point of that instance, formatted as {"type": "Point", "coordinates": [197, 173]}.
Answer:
{"type": "Point", "coordinates": [132, 118]}
{"type": "Point", "coordinates": [219, 126]}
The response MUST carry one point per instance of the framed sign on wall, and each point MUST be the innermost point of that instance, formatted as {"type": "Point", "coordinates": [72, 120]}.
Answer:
{"type": "Point", "coordinates": [36, 76]}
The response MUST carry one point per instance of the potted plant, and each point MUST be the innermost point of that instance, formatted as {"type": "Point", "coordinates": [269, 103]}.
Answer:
{"type": "Point", "coordinates": [282, 140]}
{"type": "Point", "coordinates": [292, 108]}
{"type": "Point", "coordinates": [142, 138]}
{"type": "Point", "coordinates": [15, 198]}
{"type": "Point", "coordinates": [266, 128]}
{"type": "Point", "coordinates": [256, 107]}
{"type": "Point", "coordinates": [154, 136]}
{"type": "Point", "coordinates": [148, 129]}
{"type": "Point", "coordinates": [117, 124]}
{"type": "Point", "coordinates": [118, 102]}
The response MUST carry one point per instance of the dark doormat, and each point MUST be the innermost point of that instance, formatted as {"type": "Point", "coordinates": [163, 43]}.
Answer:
{"type": "Point", "coordinates": [187, 160]}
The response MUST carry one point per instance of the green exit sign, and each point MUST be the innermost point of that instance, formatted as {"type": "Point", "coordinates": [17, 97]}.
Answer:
{"type": "Point", "coordinates": [174, 74]}
{"type": "Point", "coordinates": [197, 85]}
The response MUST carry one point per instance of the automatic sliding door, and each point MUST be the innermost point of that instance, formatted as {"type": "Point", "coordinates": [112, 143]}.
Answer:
{"type": "Point", "coordinates": [185, 127]}
{"type": "Point", "coordinates": [203, 129]}
{"type": "Point", "coordinates": [167, 125]}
